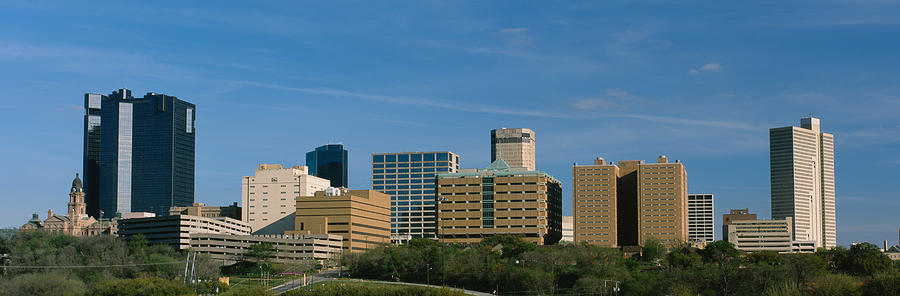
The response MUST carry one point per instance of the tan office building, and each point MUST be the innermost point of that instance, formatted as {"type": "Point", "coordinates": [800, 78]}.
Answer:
{"type": "Point", "coordinates": [515, 146]}
{"type": "Point", "coordinates": [735, 215]}
{"type": "Point", "coordinates": [801, 160]}
{"type": "Point", "coordinates": [624, 204]}
{"type": "Point", "coordinates": [362, 217]}
{"type": "Point", "coordinates": [473, 204]}
{"type": "Point", "coordinates": [594, 203]}
{"type": "Point", "coordinates": [269, 196]}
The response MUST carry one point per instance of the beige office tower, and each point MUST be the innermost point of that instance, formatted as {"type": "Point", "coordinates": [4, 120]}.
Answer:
{"type": "Point", "coordinates": [515, 146]}
{"type": "Point", "coordinates": [802, 175]}
{"type": "Point", "coordinates": [362, 217]}
{"type": "Point", "coordinates": [594, 208]}
{"type": "Point", "coordinates": [638, 200]}
{"type": "Point", "coordinates": [269, 196]}
{"type": "Point", "coordinates": [474, 204]}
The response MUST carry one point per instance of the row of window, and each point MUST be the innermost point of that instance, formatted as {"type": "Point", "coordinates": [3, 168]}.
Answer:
{"type": "Point", "coordinates": [393, 181]}
{"type": "Point", "coordinates": [412, 203]}
{"type": "Point", "coordinates": [413, 157]}
{"type": "Point", "coordinates": [426, 186]}
{"type": "Point", "coordinates": [266, 192]}
{"type": "Point", "coordinates": [415, 168]}
{"type": "Point", "coordinates": [408, 192]}
{"type": "Point", "coordinates": [413, 176]}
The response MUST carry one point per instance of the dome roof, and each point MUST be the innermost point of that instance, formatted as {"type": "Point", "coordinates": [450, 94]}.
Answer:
{"type": "Point", "coordinates": [76, 184]}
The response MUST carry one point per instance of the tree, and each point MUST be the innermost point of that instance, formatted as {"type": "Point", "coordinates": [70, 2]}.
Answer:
{"type": "Point", "coordinates": [883, 284]}
{"type": "Point", "coordinates": [684, 258]}
{"type": "Point", "coordinates": [140, 287]}
{"type": "Point", "coordinates": [652, 250]}
{"type": "Point", "coordinates": [719, 251]}
{"type": "Point", "coordinates": [803, 267]}
{"type": "Point", "coordinates": [866, 259]}
{"type": "Point", "coordinates": [765, 257]}
{"type": "Point", "coordinates": [42, 284]}
{"type": "Point", "coordinates": [834, 285]}
{"type": "Point", "coordinates": [513, 245]}
{"type": "Point", "coordinates": [261, 252]}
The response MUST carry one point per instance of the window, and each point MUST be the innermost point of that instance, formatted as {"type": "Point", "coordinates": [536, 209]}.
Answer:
{"type": "Point", "coordinates": [377, 158]}
{"type": "Point", "coordinates": [429, 156]}
{"type": "Point", "coordinates": [189, 121]}
{"type": "Point", "coordinates": [390, 158]}
{"type": "Point", "coordinates": [416, 157]}
{"type": "Point", "coordinates": [403, 158]}
{"type": "Point", "coordinates": [443, 156]}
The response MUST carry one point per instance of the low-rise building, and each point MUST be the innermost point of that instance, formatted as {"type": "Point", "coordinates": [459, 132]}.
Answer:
{"type": "Point", "coordinates": [176, 230]}
{"type": "Point", "coordinates": [766, 235]}
{"type": "Point", "coordinates": [199, 209]}
{"type": "Point", "coordinates": [474, 204]}
{"type": "Point", "coordinates": [323, 249]}
{"type": "Point", "coordinates": [361, 217]}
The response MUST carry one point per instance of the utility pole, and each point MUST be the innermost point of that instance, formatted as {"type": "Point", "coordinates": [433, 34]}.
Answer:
{"type": "Point", "coordinates": [186, 263]}
{"type": "Point", "coordinates": [193, 264]}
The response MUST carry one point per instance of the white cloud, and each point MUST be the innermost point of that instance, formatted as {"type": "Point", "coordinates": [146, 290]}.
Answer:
{"type": "Point", "coordinates": [513, 30]}
{"type": "Point", "coordinates": [590, 104]}
{"type": "Point", "coordinates": [448, 104]}
{"type": "Point", "coordinates": [710, 67]}
{"type": "Point", "coordinates": [619, 93]}
{"type": "Point", "coordinates": [516, 36]}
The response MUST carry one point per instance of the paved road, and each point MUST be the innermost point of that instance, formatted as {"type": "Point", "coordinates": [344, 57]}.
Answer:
{"type": "Point", "coordinates": [331, 275]}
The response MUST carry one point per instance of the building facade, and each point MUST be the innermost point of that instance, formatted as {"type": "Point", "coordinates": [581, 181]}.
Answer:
{"type": "Point", "coordinates": [625, 204]}
{"type": "Point", "coordinates": [515, 146]}
{"type": "Point", "coordinates": [329, 162]}
{"type": "Point", "coordinates": [269, 196]}
{"type": "Point", "coordinates": [594, 198]}
{"type": "Point", "coordinates": [138, 153]}
{"type": "Point", "coordinates": [408, 178]}
{"type": "Point", "coordinates": [766, 235]}
{"type": "Point", "coordinates": [323, 249]}
{"type": "Point", "coordinates": [735, 215]}
{"type": "Point", "coordinates": [568, 230]}
{"type": "Point", "coordinates": [473, 204]}
{"type": "Point", "coordinates": [802, 175]}
{"type": "Point", "coordinates": [200, 209]}
{"type": "Point", "coordinates": [77, 222]}
{"type": "Point", "coordinates": [176, 230]}
{"type": "Point", "coordinates": [361, 217]}
{"type": "Point", "coordinates": [701, 221]}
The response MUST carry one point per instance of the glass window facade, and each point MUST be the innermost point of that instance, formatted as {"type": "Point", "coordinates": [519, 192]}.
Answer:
{"type": "Point", "coordinates": [142, 159]}
{"type": "Point", "coordinates": [329, 162]}
{"type": "Point", "coordinates": [409, 201]}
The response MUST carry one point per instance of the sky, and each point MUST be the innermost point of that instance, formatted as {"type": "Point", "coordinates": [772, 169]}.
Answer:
{"type": "Point", "coordinates": [701, 82]}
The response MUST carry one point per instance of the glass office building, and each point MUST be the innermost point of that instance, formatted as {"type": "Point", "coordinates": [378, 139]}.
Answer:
{"type": "Point", "coordinates": [138, 153]}
{"type": "Point", "coordinates": [408, 178]}
{"type": "Point", "coordinates": [329, 162]}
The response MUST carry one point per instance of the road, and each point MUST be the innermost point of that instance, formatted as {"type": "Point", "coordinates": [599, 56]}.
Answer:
{"type": "Point", "coordinates": [332, 275]}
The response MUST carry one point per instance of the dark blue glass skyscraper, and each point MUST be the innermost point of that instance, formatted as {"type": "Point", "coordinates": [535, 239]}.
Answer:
{"type": "Point", "coordinates": [138, 153]}
{"type": "Point", "coordinates": [329, 162]}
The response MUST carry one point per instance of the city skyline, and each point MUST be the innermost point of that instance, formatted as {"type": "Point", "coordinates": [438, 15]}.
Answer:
{"type": "Point", "coordinates": [435, 77]}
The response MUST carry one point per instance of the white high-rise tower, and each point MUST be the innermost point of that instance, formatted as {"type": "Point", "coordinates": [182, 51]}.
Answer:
{"type": "Point", "coordinates": [801, 162]}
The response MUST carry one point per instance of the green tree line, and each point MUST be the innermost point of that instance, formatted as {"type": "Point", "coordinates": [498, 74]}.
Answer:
{"type": "Point", "coordinates": [509, 266]}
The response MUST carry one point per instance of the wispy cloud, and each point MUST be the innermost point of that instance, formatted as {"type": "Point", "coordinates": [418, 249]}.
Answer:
{"type": "Point", "coordinates": [590, 104]}
{"type": "Point", "coordinates": [448, 104]}
{"type": "Point", "coordinates": [516, 36]}
{"type": "Point", "coordinates": [710, 67]}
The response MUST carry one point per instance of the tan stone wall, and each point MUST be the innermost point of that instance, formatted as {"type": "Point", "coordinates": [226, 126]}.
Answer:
{"type": "Point", "coordinates": [362, 217]}
{"type": "Point", "coordinates": [594, 207]}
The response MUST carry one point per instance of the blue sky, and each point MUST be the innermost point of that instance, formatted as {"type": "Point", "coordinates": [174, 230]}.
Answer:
{"type": "Point", "coordinates": [698, 81]}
